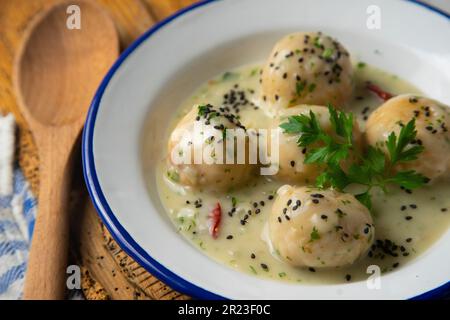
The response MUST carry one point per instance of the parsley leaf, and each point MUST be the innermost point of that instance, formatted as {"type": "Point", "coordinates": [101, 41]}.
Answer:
{"type": "Point", "coordinates": [299, 87]}
{"type": "Point", "coordinates": [308, 127]}
{"type": "Point", "coordinates": [202, 110]}
{"type": "Point", "coordinates": [373, 169]}
{"type": "Point", "coordinates": [314, 234]}
{"type": "Point", "coordinates": [375, 159]}
{"type": "Point", "coordinates": [408, 179]}
{"type": "Point", "coordinates": [341, 123]}
{"type": "Point", "coordinates": [233, 201]}
{"type": "Point", "coordinates": [397, 147]}
{"type": "Point", "coordinates": [365, 198]}
{"type": "Point", "coordinates": [228, 75]}
{"type": "Point", "coordinates": [328, 53]}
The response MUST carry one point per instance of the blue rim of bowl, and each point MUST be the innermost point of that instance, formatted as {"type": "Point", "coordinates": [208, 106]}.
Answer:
{"type": "Point", "coordinates": [119, 233]}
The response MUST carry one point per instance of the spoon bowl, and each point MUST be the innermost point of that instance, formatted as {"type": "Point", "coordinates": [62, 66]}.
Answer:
{"type": "Point", "coordinates": [59, 68]}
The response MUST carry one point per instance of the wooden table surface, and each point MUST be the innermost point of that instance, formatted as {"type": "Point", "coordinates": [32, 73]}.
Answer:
{"type": "Point", "coordinates": [107, 271]}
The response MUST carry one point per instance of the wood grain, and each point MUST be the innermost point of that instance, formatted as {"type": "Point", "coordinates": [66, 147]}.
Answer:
{"type": "Point", "coordinates": [161, 9]}
{"type": "Point", "coordinates": [131, 18]}
{"type": "Point", "coordinates": [121, 277]}
{"type": "Point", "coordinates": [14, 17]}
{"type": "Point", "coordinates": [115, 276]}
{"type": "Point", "coordinates": [55, 74]}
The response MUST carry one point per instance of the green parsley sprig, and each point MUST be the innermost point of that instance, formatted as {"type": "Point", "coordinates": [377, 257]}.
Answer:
{"type": "Point", "coordinates": [372, 169]}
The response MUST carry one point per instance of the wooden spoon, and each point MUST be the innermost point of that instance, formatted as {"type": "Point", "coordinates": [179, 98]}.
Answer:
{"type": "Point", "coordinates": [55, 76]}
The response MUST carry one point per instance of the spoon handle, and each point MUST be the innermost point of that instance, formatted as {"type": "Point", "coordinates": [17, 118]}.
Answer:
{"type": "Point", "coordinates": [46, 273]}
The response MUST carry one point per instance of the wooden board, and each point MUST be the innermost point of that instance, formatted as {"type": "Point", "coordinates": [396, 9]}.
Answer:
{"type": "Point", "coordinates": [108, 273]}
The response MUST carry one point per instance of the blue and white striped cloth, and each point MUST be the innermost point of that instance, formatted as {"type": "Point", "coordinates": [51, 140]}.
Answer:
{"type": "Point", "coordinates": [17, 216]}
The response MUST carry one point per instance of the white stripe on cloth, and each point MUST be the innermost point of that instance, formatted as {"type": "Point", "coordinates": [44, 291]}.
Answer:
{"type": "Point", "coordinates": [17, 216]}
{"type": "Point", "coordinates": [13, 288]}
{"type": "Point", "coordinates": [7, 135]}
{"type": "Point", "coordinates": [17, 212]}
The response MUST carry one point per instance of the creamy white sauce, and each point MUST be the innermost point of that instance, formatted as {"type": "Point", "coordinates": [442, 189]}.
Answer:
{"type": "Point", "coordinates": [249, 247]}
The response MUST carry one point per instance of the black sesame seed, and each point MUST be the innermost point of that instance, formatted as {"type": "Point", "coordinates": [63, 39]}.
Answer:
{"type": "Point", "coordinates": [366, 230]}
{"type": "Point", "coordinates": [413, 206]}
{"type": "Point", "coordinates": [408, 218]}
{"type": "Point", "coordinates": [284, 210]}
{"type": "Point", "coordinates": [289, 202]}
{"type": "Point", "coordinates": [287, 218]}
{"type": "Point", "coordinates": [348, 277]}
{"type": "Point", "coordinates": [408, 240]}
{"type": "Point", "coordinates": [255, 204]}
{"type": "Point", "coordinates": [316, 201]}
{"type": "Point", "coordinates": [284, 75]}
{"type": "Point", "coordinates": [262, 203]}
{"type": "Point", "coordinates": [230, 237]}
{"type": "Point", "coordinates": [292, 163]}
{"type": "Point", "coordinates": [257, 211]}
{"type": "Point", "coordinates": [395, 265]}
{"type": "Point", "coordinates": [279, 219]}
{"type": "Point", "coordinates": [324, 217]}
{"type": "Point", "coordinates": [312, 269]}
{"type": "Point", "coordinates": [270, 197]}
{"type": "Point", "coordinates": [443, 209]}
{"type": "Point", "coordinates": [317, 195]}
{"type": "Point", "coordinates": [253, 256]}
{"type": "Point", "coordinates": [264, 266]}
{"type": "Point", "coordinates": [403, 208]}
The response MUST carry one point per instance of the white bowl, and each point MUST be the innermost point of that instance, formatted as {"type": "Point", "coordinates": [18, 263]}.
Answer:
{"type": "Point", "coordinates": [133, 105]}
